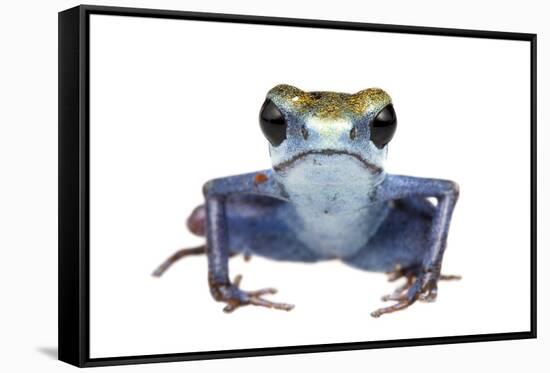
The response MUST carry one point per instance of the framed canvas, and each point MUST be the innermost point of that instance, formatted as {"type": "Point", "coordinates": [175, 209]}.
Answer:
{"type": "Point", "coordinates": [190, 143]}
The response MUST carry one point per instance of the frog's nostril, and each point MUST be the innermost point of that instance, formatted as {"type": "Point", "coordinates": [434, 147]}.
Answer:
{"type": "Point", "coordinates": [353, 133]}
{"type": "Point", "coordinates": [305, 132]}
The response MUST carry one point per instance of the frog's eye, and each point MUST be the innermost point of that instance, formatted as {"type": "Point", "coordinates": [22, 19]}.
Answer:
{"type": "Point", "coordinates": [382, 127]}
{"type": "Point", "coordinates": [273, 123]}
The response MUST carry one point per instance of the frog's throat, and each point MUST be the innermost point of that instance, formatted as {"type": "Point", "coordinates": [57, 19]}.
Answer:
{"type": "Point", "coordinates": [374, 169]}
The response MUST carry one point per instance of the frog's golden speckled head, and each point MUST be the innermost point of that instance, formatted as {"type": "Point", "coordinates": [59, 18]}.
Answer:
{"type": "Point", "coordinates": [328, 105]}
{"type": "Point", "coordinates": [329, 137]}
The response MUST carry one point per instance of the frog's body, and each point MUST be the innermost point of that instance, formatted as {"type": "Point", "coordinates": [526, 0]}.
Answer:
{"type": "Point", "coordinates": [319, 228]}
{"type": "Point", "coordinates": [375, 237]}
{"type": "Point", "coordinates": [327, 197]}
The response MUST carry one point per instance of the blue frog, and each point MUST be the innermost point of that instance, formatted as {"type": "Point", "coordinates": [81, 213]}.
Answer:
{"type": "Point", "coordinates": [326, 197]}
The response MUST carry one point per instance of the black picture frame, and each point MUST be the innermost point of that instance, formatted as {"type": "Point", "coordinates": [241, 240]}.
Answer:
{"type": "Point", "coordinates": [73, 248]}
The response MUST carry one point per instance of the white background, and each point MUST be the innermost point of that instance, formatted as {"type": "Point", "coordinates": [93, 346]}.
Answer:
{"type": "Point", "coordinates": [170, 110]}
{"type": "Point", "coordinates": [29, 200]}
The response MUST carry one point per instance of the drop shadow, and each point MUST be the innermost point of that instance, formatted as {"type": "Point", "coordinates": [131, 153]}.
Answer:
{"type": "Point", "coordinates": [51, 352]}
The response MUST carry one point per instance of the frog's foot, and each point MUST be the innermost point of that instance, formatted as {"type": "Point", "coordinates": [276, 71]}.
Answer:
{"type": "Point", "coordinates": [177, 256]}
{"type": "Point", "coordinates": [422, 287]}
{"type": "Point", "coordinates": [235, 297]}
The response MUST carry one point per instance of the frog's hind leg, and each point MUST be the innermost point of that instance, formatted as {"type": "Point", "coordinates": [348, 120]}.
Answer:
{"type": "Point", "coordinates": [401, 240]}
{"type": "Point", "coordinates": [197, 225]}
{"type": "Point", "coordinates": [177, 256]}
{"type": "Point", "coordinates": [398, 248]}
{"type": "Point", "coordinates": [182, 253]}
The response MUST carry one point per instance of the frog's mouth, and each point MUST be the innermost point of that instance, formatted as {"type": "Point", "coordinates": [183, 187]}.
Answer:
{"type": "Point", "coordinates": [374, 169]}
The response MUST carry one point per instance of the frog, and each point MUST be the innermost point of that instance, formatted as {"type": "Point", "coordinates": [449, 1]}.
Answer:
{"type": "Point", "coordinates": [326, 196]}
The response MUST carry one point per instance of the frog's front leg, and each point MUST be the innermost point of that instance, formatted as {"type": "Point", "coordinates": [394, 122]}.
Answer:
{"type": "Point", "coordinates": [427, 271]}
{"type": "Point", "coordinates": [216, 192]}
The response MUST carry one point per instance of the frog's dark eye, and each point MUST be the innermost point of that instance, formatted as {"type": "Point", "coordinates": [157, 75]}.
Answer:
{"type": "Point", "coordinates": [273, 123]}
{"type": "Point", "coordinates": [382, 127]}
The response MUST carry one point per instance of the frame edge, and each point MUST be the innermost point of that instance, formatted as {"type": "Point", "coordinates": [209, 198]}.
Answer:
{"type": "Point", "coordinates": [70, 258]}
{"type": "Point", "coordinates": [305, 22]}
{"type": "Point", "coordinates": [534, 243]}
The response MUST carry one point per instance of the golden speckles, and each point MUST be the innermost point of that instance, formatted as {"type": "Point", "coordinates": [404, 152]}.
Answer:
{"type": "Point", "coordinates": [286, 91]}
{"type": "Point", "coordinates": [328, 105]}
{"type": "Point", "coordinates": [360, 101]}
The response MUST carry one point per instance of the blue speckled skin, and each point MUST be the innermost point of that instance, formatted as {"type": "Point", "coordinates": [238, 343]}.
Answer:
{"type": "Point", "coordinates": [328, 197]}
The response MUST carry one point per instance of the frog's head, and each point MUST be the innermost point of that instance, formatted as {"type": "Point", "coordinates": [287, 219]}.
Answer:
{"type": "Point", "coordinates": [327, 137]}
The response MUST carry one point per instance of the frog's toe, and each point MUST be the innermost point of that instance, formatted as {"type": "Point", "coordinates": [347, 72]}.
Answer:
{"type": "Point", "coordinates": [429, 296]}
{"type": "Point", "coordinates": [241, 298]}
{"type": "Point", "coordinates": [254, 293]}
{"type": "Point", "coordinates": [257, 301]}
{"type": "Point", "coordinates": [402, 304]}
{"type": "Point", "coordinates": [422, 287]}
{"type": "Point", "coordinates": [404, 296]}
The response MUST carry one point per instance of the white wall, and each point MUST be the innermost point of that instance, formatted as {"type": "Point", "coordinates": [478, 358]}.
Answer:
{"type": "Point", "coordinates": [28, 192]}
